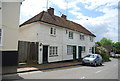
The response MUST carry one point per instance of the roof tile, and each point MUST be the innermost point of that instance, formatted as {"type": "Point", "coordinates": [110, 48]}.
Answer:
{"type": "Point", "coordinates": [58, 21]}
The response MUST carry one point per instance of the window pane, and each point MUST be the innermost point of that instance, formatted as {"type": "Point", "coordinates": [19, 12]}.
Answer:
{"type": "Point", "coordinates": [0, 36]}
{"type": "Point", "coordinates": [69, 50]}
{"type": "Point", "coordinates": [53, 51]}
{"type": "Point", "coordinates": [54, 31]}
{"type": "Point", "coordinates": [51, 31]}
{"type": "Point", "coordinates": [56, 50]}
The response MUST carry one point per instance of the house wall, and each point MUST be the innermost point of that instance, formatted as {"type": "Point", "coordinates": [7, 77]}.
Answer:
{"type": "Point", "coordinates": [10, 25]}
{"type": "Point", "coordinates": [41, 32]}
{"type": "Point", "coordinates": [0, 19]}
{"type": "Point", "coordinates": [9, 17]}
{"type": "Point", "coordinates": [29, 32]}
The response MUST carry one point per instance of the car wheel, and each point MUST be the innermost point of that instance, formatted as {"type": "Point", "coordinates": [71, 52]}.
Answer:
{"type": "Point", "coordinates": [95, 64]}
{"type": "Point", "coordinates": [100, 64]}
{"type": "Point", "coordinates": [83, 63]}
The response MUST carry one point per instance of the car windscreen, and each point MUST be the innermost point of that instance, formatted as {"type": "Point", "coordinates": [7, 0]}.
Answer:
{"type": "Point", "coordinates": [91, 56]}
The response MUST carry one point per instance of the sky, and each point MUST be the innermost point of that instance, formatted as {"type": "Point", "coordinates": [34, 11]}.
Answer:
{"type": "Point", "coordinates": [98, 16]}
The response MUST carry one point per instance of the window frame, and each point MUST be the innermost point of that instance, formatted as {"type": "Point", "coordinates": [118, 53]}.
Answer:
{"type": "Point", "coordinates": [70, 35]}
{"type": "Point", "coordinates": [53, 51]}
{"type": "Point", "coordinates": [1, 37]}
{"type": "Point", "coordinates": [91, 39]}
{"type": "Point", "coordinates": [83, 49]}
{"type": "Point", "coordinates": [69, 50]}
{"type": "Point", "coordinates": [90, 50]}
{"type": "Point", "coordinates": [82, 37]}
{"type": "Point", "coordinates": [53, 31]}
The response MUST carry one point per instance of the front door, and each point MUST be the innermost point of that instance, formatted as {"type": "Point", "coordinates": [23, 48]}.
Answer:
{"type": "Point", "coordinates": [74, 52]}
{"type": "Point", "coordinates": [45, 54]}
{"type": "Point", "coordinates": [79, 53]}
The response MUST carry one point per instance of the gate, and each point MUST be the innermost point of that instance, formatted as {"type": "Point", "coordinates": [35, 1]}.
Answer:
{"type": "Point", "coordinates": [28, 51]}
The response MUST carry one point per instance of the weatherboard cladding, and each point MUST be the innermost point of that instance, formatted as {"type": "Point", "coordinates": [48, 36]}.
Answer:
{"type": "Point", "coordinates": [58, 21]}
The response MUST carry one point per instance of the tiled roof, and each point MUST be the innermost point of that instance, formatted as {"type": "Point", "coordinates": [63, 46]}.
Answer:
{"type": "Point", "coordinates": [58, 21]}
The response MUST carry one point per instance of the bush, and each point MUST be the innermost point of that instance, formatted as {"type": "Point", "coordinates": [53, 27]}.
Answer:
{"type": "Point", "coordinates": [103, 52]}
{"type": "Point", "coordinates": [117, 51]}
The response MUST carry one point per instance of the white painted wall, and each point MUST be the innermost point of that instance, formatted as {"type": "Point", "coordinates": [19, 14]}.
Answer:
{"type": "Point", "coordinates": [41, 32]}
{"type": "Point", "coordinates": [10, 25]}
{"type": "Point", "coordinates": [29, 32]}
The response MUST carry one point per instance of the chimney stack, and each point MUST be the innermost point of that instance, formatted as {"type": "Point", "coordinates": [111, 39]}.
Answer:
{"type": "Point", "coordinates": [64, 16]}
{"type": "Point", "coordinates": [51, 11]}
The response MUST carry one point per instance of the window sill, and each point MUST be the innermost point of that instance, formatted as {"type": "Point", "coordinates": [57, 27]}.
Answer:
{"type": "Point", "coordinates": [83, 51]}
{"type": "Point", "coordinates": [69, 54]}
{"type": "Point", "coordinates": [70, 38]}
{"type": "Point", "coordinates": [52, 35]}
{"type": "Point", "coordinates": [53, 55]}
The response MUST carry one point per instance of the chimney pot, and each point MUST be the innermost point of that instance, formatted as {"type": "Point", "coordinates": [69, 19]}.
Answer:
{"type": "Point", "coordinates": [63, 16]}
{"type": "Point", "coordinates": [51, 11]}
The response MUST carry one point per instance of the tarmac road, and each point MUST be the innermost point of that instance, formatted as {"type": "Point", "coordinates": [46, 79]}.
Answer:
{"type": "Point", "coordinates": [109, 70]}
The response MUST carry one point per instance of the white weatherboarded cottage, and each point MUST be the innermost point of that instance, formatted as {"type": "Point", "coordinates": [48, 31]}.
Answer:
{"type": "Point", "coordinates": [59, 39]}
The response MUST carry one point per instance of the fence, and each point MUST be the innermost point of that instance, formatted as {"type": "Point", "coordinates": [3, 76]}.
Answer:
{"type": "Point", "coordinates": [28, 51]}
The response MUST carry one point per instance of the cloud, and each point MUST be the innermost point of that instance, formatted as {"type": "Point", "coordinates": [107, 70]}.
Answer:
{"type": "Point", "coordinates": [102, 26]}
{"type": "Point", "coordinates": [105, 25]}
{"type": "Point", "coordinates": [29, 8]}
{"type": "Point", "coordinates": [65, 4]}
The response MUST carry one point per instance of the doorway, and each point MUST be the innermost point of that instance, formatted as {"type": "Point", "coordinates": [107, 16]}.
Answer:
{"type": "Point", "coordinates": [79, 53]}
{"type": "Point", "coordinates": [74, 52]}
{"type": "Point", "coordinates": [45, 54]}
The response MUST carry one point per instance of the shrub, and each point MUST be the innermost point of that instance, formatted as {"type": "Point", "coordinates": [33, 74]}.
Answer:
{"type": "Point", "coordinates": [103, 52]}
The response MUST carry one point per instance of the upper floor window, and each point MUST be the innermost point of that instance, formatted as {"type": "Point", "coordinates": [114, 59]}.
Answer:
{"type": "Point", "coordinates": [82, 37]}
{"type": "Point", "coordinates": [0, 36]}
{"type": "Point", "coordinates": [91, 39]}
{"type": "Point", "coordinates": [53, 31]}
{"type": "Point", "coordinates": [66, 31]}
{"type": "Point", "coordinates": [70, 35]}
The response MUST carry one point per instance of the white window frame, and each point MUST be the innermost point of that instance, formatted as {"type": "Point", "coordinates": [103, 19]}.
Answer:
{"type": "Point", "coordinates": [53, 51]}
{"type": "Point", "coordinates": [91, 39]}
{"type": "Point", "coordinates": [90, 50]}
{"type": "Point", "coordinates": [70, 35]}
{"type": "Point", "coordinates": [82, 37]}
{"type": "Point", "coordinates": [53, 31]}
{"type": "Point", "coordinates": [83, 49]}
{"type": "Point", "coordinates": [69, 50]}
{"type": "Point", "coordinates": [1, 40]}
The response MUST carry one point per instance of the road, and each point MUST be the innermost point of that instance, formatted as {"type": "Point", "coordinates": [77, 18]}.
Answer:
{"type": "Point", "coordinates": [109, 70]}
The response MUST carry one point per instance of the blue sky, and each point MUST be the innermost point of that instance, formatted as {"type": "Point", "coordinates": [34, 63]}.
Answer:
{"type": "Point", "coordinates": [98, 16]}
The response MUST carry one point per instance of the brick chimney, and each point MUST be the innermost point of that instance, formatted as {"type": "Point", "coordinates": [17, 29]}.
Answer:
{"type": "Point", "coordinates": [64, 16]}
{"type": "Point", "coordinates": [51, 11]}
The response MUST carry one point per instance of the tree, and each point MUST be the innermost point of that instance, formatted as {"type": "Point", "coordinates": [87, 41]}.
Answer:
{"type": "Point", "coordinates": [117, 45]}
{"type": "Point", "coordinates": [105, 41]}
{"type": "Point", "coordinates": [98, 43]}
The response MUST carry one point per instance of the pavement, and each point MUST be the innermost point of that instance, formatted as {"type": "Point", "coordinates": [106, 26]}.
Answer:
{"type": "Point", "coordinates": [22, 69]}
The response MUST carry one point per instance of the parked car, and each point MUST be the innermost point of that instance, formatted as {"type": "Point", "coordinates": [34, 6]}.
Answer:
{"type": "Point", "coordinates": [112, 54]}
{"type": "Point", "coordinates": [92, 59]}
{"type": "Point", "coordinates": [117, 55]}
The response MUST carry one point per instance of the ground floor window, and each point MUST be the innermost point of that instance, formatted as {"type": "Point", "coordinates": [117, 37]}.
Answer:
{"type": "Point", "coordinates": [69, 50]}
{"type": "Point", "coordinates": [83, 48]}
{"type": "Point", "coordinates": [0, 36]}
{"type": "Point", "coordinates": [90, 50]}
{"type": "Point", "coordinates": [53, 51]}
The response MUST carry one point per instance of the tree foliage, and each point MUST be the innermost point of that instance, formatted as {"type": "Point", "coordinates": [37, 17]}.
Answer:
{"type": "Point", "coordinates": [117, 45]}
{"type": "Point", "coordinates": [105, 41]}
{"type": "Point", "coordinates": [103, 52]}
